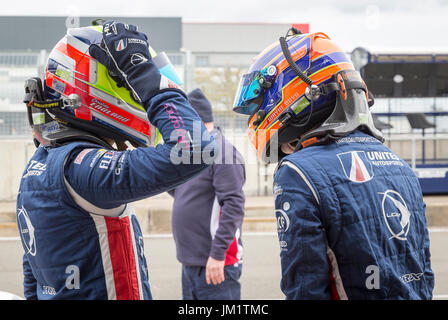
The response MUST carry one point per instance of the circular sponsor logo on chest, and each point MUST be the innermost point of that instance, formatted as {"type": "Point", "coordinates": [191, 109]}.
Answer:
{"type": "Point", "coordinates": [26, 231]}
{"type": "Point", "coordinates": [282, 221]}
{"type": "Point", "coordinates": [396, 214]}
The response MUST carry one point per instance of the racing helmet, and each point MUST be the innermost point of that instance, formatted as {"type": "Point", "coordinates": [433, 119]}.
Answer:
{"type": "Point", "coordinates": [302, 90]}
{"type": "Point", "coordinates": [80, 97]}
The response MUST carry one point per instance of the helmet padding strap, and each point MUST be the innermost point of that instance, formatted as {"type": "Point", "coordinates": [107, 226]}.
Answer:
{"type": "Point", "coordinates": [351, 112]}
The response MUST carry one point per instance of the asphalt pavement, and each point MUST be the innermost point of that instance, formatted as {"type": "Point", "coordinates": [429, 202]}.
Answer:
{"type": "Point", "coordinates": [261, 271]}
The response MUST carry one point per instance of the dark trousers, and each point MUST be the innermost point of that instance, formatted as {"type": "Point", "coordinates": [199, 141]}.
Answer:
{"type": "Point", "coordinates": [195, 287]}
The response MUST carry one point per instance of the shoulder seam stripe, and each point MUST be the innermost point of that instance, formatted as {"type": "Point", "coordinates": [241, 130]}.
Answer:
{"type": "Point", "coordinates": [91, 208]}
{"type": "Point", "coordinates": [308, 183]}
{"type": "Point", "coordinates": [86, 205]}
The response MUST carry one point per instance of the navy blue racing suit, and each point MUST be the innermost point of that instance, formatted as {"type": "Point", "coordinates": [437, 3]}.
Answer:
{"type": "Point", "coordinates": [81, 237]}
{"type": "Point", "coordinates": [351, 223]}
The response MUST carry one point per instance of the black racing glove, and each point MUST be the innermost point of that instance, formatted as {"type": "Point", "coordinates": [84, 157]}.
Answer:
{"type": "Point", "coordinates": [124, 51]}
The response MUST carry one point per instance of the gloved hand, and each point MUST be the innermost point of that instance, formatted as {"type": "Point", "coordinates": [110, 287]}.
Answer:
{"type": "Point", "coordinates": [125, 53]}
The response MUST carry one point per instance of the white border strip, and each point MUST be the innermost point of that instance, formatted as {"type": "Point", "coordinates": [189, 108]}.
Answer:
{"type": "Point", "coordinates": [103, 241]}
{"type": "Point", "coordinates": [438, 229]}
{"type": "Point", "coordinates": [9, 238]}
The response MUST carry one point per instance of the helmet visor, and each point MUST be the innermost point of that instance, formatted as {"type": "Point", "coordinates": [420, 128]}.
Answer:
{"type": "Point", "coordinates": [249, 89]}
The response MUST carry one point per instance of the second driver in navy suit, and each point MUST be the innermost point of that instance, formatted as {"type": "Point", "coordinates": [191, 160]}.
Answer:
{"type": "Point", "coordinates": [101, 91]}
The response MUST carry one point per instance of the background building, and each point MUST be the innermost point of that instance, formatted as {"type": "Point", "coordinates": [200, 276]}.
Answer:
{"type": "Point", "coordinates": [213, 56]}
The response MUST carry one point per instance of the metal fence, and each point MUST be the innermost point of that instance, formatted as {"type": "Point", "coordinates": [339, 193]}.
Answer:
{"type": "Point", "coordinates": [217, 74]}
{"type": "Point", "coordinates": [15, 68]}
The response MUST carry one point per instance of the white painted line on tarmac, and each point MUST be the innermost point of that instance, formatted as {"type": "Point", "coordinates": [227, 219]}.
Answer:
{"type": "Point", "coordinates": [9, 238]}
{"type": "Point", "coordinates": [438, 229]}
{"type": "Point", "coordinates": [158, 236]}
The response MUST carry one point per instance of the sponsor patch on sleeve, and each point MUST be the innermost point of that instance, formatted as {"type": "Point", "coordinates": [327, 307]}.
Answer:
{"type": "Point", "coordinates": [81, 155]}
{"type": "Point", "coordinates": [109, 160]}
{"type": "Point", "coordinates": [98, 154]}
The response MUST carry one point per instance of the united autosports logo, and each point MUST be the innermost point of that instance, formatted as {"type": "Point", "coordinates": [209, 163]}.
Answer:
{"type": "Point", "coordinates": [356, 166]}
{"type": "Point", "coordinates": [121, 44]}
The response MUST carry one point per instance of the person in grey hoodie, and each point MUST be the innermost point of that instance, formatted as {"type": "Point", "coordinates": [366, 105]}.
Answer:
{"type": "Point", "coordinates": [207, 218]}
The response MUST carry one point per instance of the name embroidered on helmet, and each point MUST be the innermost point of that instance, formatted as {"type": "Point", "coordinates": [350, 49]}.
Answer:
{"type": "Point", "coordinates": [282, 107]}
{"type": "Point", "coordinates": [104, 108]}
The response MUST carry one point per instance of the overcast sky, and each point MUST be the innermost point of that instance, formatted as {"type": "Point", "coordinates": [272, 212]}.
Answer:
{"type": "Point", "coordinates": [376, 24]}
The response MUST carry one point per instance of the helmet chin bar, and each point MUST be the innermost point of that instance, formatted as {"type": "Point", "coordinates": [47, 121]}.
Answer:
{"type": "Point", "coordinates": [67, 135]}
{"type": "Point", "coordinates": [351, 112]}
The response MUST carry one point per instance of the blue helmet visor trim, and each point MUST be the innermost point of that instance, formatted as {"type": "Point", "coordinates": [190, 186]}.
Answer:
{"type": "Point", "coordinates": [249, 88]}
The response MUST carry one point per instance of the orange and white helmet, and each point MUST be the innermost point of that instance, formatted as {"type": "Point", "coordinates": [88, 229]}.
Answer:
{"type": "Point", "coordinates": [293, 86]}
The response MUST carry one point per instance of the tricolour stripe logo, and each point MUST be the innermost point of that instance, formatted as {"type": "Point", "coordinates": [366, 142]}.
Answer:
{"type": "Point", "coordinates": [121, 44]}
{"type": "Point", "coordinates": [356, 166]}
